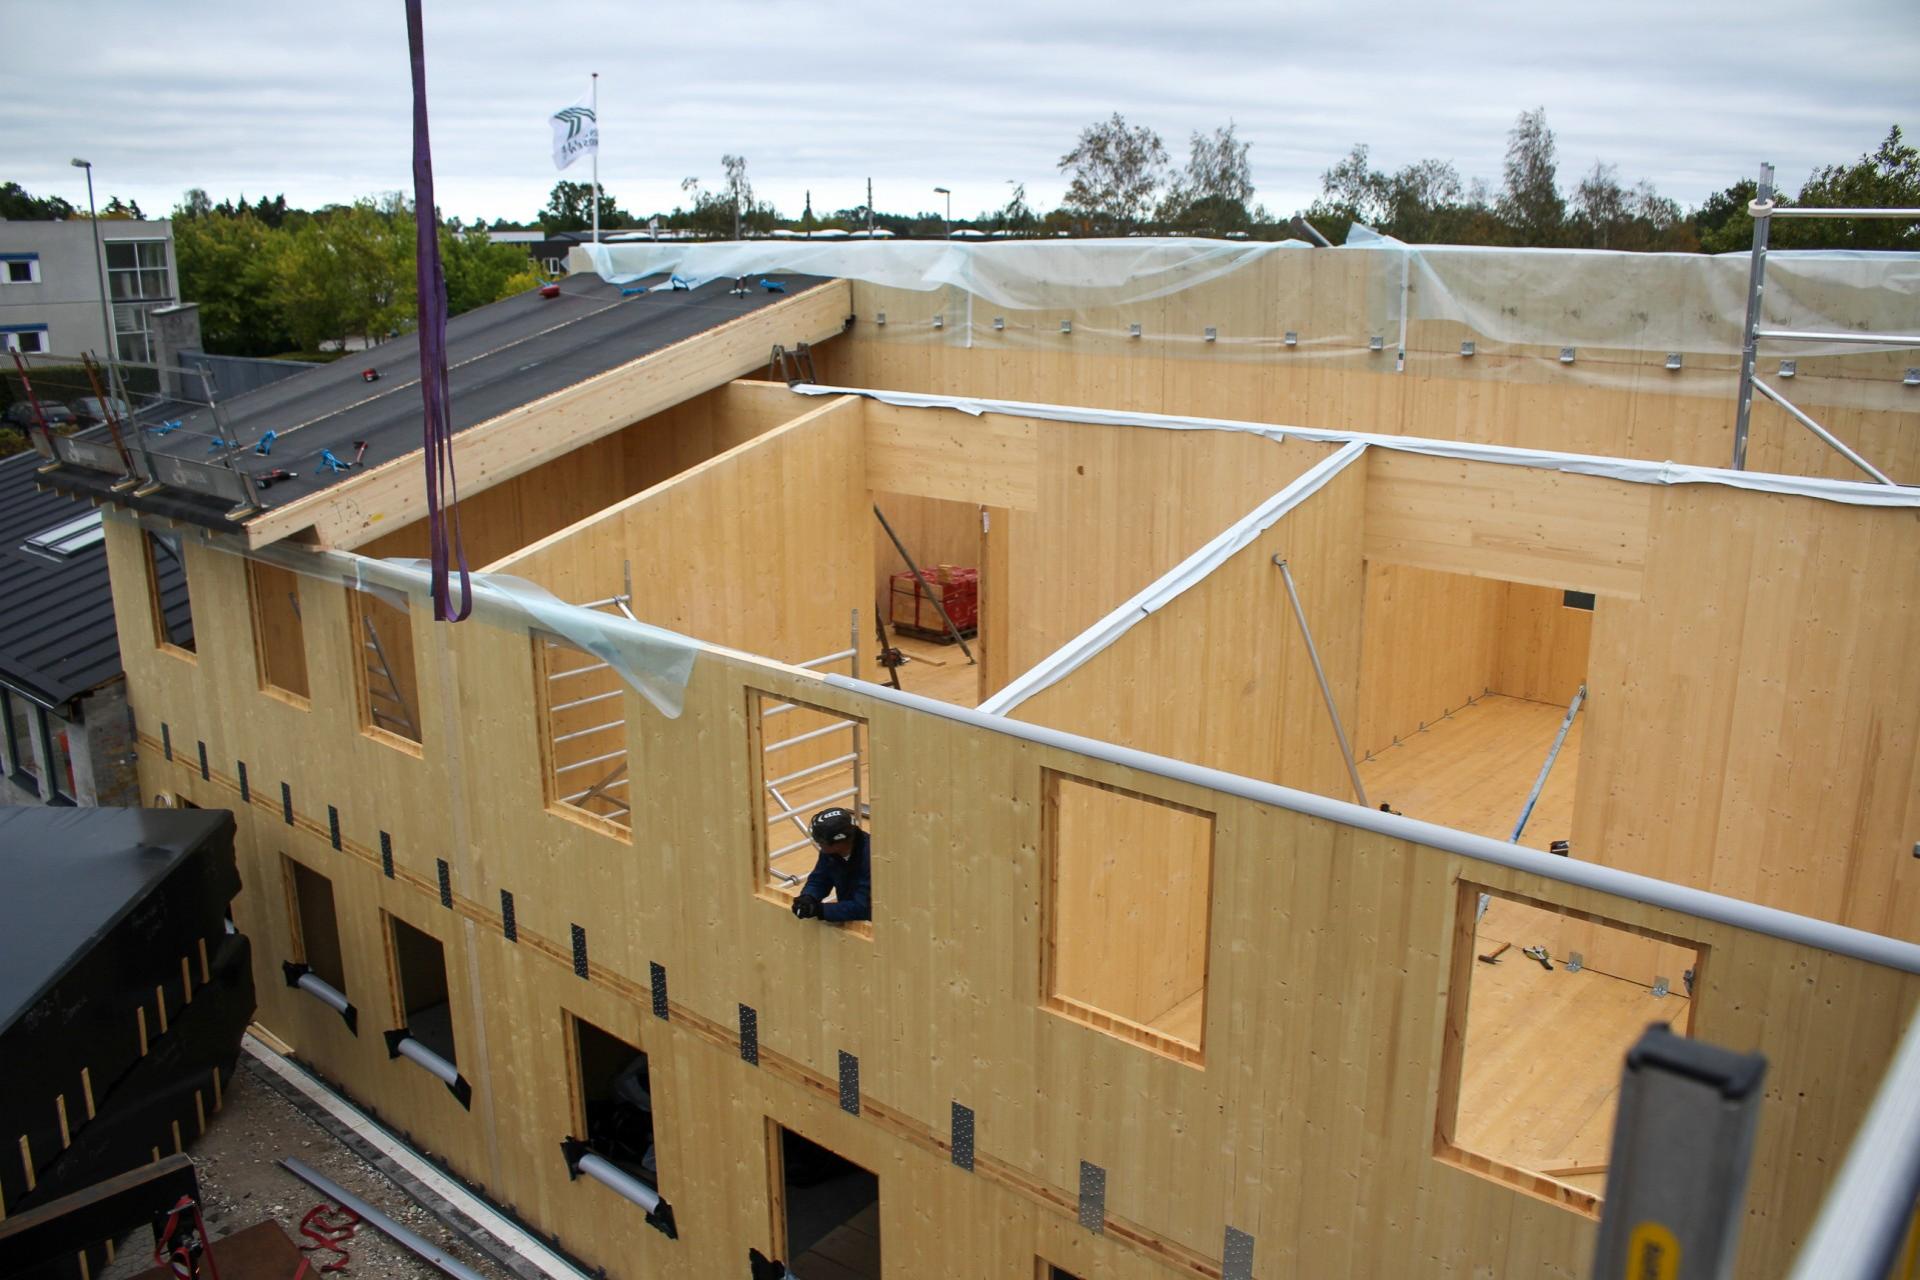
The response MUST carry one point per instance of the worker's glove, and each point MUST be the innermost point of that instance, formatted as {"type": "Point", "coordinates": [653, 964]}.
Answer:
{"type": "Point", "coordinates": [806, 907]}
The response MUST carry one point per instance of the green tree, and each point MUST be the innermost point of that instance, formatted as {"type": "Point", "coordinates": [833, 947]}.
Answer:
{"type": "Point", "coordinates": [570, 208]}
{"type": "Point", "coordinates": [224, 264]}
{"type": "Point", "coordinates": [1531, 204]}
{"type": "Point", "coordinates": [16, 205]}
{"type": "Point", "coordinates": [479, 271]}
{"type": "Point", "coordinates": [1214, 191]}
{"type": "Point", "coordinates": [1116, 170]}
{"type": "Point", "coordinates": [1887, 177]}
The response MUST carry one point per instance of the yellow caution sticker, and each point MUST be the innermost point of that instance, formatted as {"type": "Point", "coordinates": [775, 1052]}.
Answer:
{"type": "Point", "coordinates": [1652, 1253]}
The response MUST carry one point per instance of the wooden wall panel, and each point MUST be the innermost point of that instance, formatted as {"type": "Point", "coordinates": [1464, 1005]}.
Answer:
{"type": "Point", "coordinates": [1251, 706]}
{"type": "Point", "coordinates": [1752, 718]}
{"type": "Point", "coordinates": [1311, 1125]}
{"type": "Point", "coordinates": [936, 531]}
{"type": "Point", "coordinates": [1543, 644]}
{"type": "Point", "coordinates": [1430, 642]}
{"type": "Point", "coordinates": [764, 547]}
{"type": "Point", "coordinates": [1517, 524]}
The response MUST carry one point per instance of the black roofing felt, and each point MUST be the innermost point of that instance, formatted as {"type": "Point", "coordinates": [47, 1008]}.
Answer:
{"type": "Point", "coordinates": [500, 357]}
{"type": "Point", "coordinates": [56, 616]}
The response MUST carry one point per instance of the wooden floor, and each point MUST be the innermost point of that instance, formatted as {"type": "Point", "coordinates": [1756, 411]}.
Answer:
{"type": "Point", "coordinates": [938, 671]}
{"type": "Point", "coordinates": [849, 1252]}
{"type": "Point", "coordinates": [1473, 769]}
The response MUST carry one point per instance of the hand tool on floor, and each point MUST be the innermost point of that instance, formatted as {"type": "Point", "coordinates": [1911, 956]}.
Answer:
{"type": "Point", "coordinates": [265, 447]}
{"type": "Point", "coordinates": [274, 477]}
{"type": "Point", "coordinates": [1540, 954]}
{"type": "Point", "coordinates": [890, 659]}
{"type": "Point", "coordinates": [1498, 951]}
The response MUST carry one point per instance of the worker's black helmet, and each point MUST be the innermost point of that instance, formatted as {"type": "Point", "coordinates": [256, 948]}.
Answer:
{"type": "Point", "coordinates": [831, 824]}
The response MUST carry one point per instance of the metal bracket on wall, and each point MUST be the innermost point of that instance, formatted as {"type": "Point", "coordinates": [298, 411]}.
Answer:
{"type": "Point", "coordinates": [1093, 1197]}
{"type": "Point", "coordinates": [749, 1035]}
{"type": "Point", "coordinates": [1236, 1258]}
{"type": "Point", "coordinates": [963, 1136]}
{"type": "Point", "coordinates": [849, 1083]}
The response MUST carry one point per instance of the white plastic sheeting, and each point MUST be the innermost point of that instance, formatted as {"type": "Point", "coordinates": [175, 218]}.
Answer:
{"type": "Point", "coordinates": [1655, 302]}
{"type": "Point", "coordinates": [1850, 492]}
{"type": "Point", "coordinates": [1172, 584]}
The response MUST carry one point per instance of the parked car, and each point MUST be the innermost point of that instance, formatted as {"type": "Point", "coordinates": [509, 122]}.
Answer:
{"type": "Point", "coordinates": [88, 410]}
{"type": "Point", "coordinates": [20, 414]}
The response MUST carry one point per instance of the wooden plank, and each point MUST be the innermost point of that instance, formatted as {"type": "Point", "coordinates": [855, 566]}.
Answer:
{"type": "Point", "coordinates": [352, 513]}
{"type": "Point", "coordinates": [986, 459]}
{"type": "Point", "coordinates": [1518, 524]}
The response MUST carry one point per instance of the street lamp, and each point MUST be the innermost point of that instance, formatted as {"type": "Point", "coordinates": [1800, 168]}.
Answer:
{"type": "Point", "coordinates": [100, 264]}
{"type": "Point", "coordinates": [942, 191]}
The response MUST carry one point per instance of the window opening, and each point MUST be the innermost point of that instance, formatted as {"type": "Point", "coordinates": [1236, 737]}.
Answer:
{"type": "Point", "coordinates": [613, 1110]}
{"type": "Point", "coordinates": [29, 340]}
{"type": "Point", "coordinates": [826, 1210]}
{"type": "Point", "coordinates": [1542, 1008]}
{"type": "Point", "coordinates": [279, 640]}
{"type": "Point", "coordinates": [69, 538]}
{"type": "Point", "coordinates": [21, 268]}
{"type": "Point", "coordinates": [806, 759]}
{"type": "Point", "coordinates": [389, 685]}
{"type": "Point", "coordinates": [23, 762]}
{"type": "Point", "coordinates": [1128, 898]}
{"type": "Point", "coordinates": [1050, 1272]}
{"type": "Point", "coordinates": [172, 597]}
{"type": "Point", "coordinates": [420, 964]}
{"type": "Point", "coordinates": [317, 966]}
{"type": "Point", "coordinates": [53, 730]}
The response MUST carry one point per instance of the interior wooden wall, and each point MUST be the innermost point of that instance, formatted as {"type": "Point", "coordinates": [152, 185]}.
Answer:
{"type": "Point", "coordinates": [764, 547]}
{"type": "Point", "coordinates": [1311, 1126]}
{"type": "Point", "coordinates": [497, 521]}
{"type": "Point", "coordinates": [936, 530]}
{"type": "Point", "coordinates": [1544, 644]}
{"type": "Point", "coordinates": [1619, 402]}
{"type": "Point", "coordinates": [1247, 702]}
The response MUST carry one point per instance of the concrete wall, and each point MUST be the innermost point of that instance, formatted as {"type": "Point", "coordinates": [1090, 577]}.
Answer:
{"type": "Point", "coordinates": [67, 297]}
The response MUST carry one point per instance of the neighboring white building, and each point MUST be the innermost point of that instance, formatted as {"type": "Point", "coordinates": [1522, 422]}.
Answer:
{"type": "Point", "coordinates": [50, 286]}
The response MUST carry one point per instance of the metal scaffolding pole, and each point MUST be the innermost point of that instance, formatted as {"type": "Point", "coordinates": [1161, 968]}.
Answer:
{"type": "Point", "coordinates": [1553, 753]}
{"type": "Point", "coordinates": [1750, 339]}
{"type": "Point", "coordinates": [1326, 690]}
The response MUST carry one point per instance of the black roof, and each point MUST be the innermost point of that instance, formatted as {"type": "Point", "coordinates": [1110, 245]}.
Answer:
{"type": "Point", "coordinates": [56, 615]}
{"type": "Point", "coordinates": [501, 356]}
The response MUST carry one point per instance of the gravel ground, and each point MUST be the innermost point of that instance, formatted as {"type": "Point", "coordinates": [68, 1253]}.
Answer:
{"type": "Point", "coordinates": [241, 1182]}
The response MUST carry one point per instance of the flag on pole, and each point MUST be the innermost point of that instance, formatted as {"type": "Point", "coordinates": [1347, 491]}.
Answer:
{"type": "Point", "coordinates": [575, 133]}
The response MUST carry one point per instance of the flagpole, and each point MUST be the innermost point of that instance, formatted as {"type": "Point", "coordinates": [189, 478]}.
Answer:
{"type": "Point", "coordinates": [596, 158]}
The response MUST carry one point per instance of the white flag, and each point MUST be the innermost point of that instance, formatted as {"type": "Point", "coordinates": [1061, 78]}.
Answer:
{"type": "Point", "coordinates": [575, 133]}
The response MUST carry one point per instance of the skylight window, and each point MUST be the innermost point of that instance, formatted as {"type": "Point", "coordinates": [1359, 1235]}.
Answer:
{"type": "Point", "coordinates": [69, 539]}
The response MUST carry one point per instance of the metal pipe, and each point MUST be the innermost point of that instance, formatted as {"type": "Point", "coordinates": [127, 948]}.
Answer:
{"type": "Point", "coordinates": [1553, 753]}
{"type": "Point", "coordinates": [598, 728]}
{"type": "Point", "coordinates": [831, 657]}
{"type": "Point", "coordinates": [1794, 412]}
{"type": "Point", "coordinates": [1814, 211]}
{"type": "Point", "coordinates": [841, 727]}
{"type": "Point", "coordinates": [1749, 343]}
{"type": "Point", "coordinates": [785, 849]}
{"type": "Point", "coordinates": [325, 992]}
{"type": "Point", "coordinates": [802, 808]}
{"type": "Point", "coordinates": [792, 812]}
{"type": "Point", "coordinates": [812, 769]}
{"type": "Point", "coordinates": [853, 670]}
{"type": "Point", "coordinates": [611, 755]}
{"type": "Point", "coordinates": [1874, 948]}
{"type": "Point", "coordinates": [576, 671]}
{"type": "Point", "coordinates": [619, 1181]}
{"type": "Point", "coordinates": [1840, 335]}
{"type": "Point", "coordinates": [1869, 1207]}
{"type": "Point", "coordinates": [581, 702]}
{"type": "Point", "coordinates": [921, 578]}
{"type": "Point", "coordinates": [380, 1221]}
{"type": "Point", "coordinates": [436, 1065]}
{"type": "Point", "coordinates": [601, 787]}
{"type": "Point", "coordinates": [1326, 690]}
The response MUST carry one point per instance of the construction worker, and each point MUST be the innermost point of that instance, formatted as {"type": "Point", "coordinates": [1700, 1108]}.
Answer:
{"type": "Point", "coordinates": [845, 869]}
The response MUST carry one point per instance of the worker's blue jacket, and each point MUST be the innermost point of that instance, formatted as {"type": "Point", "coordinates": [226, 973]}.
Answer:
{"type": "Point", "coordinates": [851, 880]}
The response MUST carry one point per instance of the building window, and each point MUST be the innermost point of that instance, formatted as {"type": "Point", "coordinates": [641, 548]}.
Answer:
{"type": "Point", "coordinates": [420, 966]}
{"type": "Point", "coordinates": [279, 643]}
{"type": "Point", "coordinates": [389, 687]}
{"type": "Point", "coordinates": [1126, 904]}
{"type": "Point", "coordinates": [805, 759]}
{"type": "Point", "coordinates": [168, 590]}
{"type": "Point", "coordinates": [27, 339]}
{"type": "Point", "coordinates": [137, 279]}
{"type": "Point", "coordinates": [1541, 1010]}
{"type": "Point", "coordinates": [53, 731]}
{"type": "Point", "coordinates": [613, 1100]}
{"type": "Point", "coordinates": [583, 717]}
{"type": "Point", "coordinates": [23, 762]}
{"type": "Point", "coordinates": [20, 268]}
{"type": "Point", "coordinates": [67, 539]}
{"type": "Point", "coordinates": [826, 1210]}
{"type": "Point", "coordinates": [316, 927]}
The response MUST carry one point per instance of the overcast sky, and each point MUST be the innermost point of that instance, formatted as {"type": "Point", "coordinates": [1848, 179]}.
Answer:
{"type": "Point", "coordinates": [311, 99]}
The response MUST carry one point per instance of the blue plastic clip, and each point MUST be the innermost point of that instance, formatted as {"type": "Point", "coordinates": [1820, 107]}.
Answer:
{"type": "Point", "coordinates": [265, 446]}
{"type": "Point", "coordinates": [630, 290]}
{"type": "Point", "coordinates": [679, 282]}
{"type": "Point", "coordinates": [331, 463]}
{"type": "Point", "coordinates": [168, 427]}
{"type": "Point", "coordinates": [773, 286]}
{"type": "Point", "coordinates": [216, 444]}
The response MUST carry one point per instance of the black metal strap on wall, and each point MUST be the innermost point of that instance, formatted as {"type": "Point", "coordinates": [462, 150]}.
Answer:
{"type": "Point", "coordinates": [305, 979]}
{"type": "Point", "coordinates": [749, 1035]}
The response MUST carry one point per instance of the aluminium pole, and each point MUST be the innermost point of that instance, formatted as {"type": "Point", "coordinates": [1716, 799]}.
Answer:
{"type": "Point", "coordinates": [921, 578]}
{"type": "Point", "coordinates": [1326, 690]}
{"type": "Point", "coordinates": [1553, 753]}
{"type": "Point", "coordinates": [1761, 209]}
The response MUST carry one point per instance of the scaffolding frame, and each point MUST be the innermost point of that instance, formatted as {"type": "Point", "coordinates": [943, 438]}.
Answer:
{"type": "Point", "coordinates": [855, 756]}
{"type": "Point", "coordinates": [1763, 211]}
{"type": "Point", "coordinates": [615, 779]}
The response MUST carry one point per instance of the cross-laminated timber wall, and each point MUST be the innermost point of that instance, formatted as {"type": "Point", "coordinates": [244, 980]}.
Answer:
{"type": "Point", "coordinates": [1310, 1126]}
